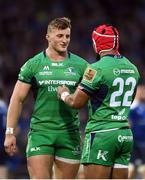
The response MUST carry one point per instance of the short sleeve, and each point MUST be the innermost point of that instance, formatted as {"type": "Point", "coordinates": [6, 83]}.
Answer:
{"type": "Point", "coordinates": [91, 80]}
{"type": "Point", "coordinates": [26, 74]}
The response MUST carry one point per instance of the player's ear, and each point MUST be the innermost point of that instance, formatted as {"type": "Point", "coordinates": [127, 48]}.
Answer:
{"type": "Point", "coordinates": [47, 36]}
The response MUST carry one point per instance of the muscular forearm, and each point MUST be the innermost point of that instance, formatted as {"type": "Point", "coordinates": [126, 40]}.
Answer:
{"type": "Point", "coordinates": [70, 100]}
{"type": "Point", "coordinates": [76, 100]}
{"type": "Point", "coordinates": [19, 95]}
{"type": "Point", "coordinates": [14, 112]}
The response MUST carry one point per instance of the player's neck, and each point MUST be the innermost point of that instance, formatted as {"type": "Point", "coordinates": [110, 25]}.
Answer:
{"type": "Point", "coordinates": [109, 52]}
{"type": "Point", "coordinates": [56, 56]}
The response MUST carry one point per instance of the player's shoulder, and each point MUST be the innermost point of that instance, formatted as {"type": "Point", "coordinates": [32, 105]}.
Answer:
{"type": "Point", "coordinates": [96, 65]}
{"type": "Point", "coordinates": [77, 58]}
{"type": "Point", "coordinates": [129, 63]}
{"type": "Point", "coordinates": [34, 61]}
{"type": "Point", "coordinates": [102, 62]}
{"type": "Point", "coordinates": [37, 57]}
{"type": "Point", "coordinates": [93, 69]}
{"type": "Point", "coordinates": [133, 67]}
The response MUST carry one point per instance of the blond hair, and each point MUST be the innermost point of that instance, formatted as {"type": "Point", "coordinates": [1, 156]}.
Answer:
{"type": "Point", "coordinates": [59, 23]}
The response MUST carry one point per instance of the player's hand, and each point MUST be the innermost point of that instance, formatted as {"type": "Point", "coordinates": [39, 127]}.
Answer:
{"type": "Point", "coordinates": [10, 144]}
{"type": "Point", "coordinates": [60, 90]}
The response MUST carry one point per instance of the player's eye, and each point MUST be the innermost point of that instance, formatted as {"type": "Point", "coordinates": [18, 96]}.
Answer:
{"type": "Point", "coordinates": [68, 36]}
{"type": "Point", "coordinates": [59, 35]}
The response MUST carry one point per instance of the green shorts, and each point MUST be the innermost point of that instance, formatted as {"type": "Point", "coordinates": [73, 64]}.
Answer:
{"type": "Point", "coordinates": [110, 148]}
{"type": "Point", "coordinates": [62, 145]}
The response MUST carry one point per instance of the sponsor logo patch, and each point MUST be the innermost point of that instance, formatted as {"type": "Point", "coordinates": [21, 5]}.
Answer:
{"type": "Point", "coordinates": [89, 74]}
{"type": "Point", "coordinates": [117, 71]}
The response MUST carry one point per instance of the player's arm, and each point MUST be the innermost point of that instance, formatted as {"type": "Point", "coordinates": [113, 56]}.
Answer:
{"type": "Point", "coordinates": [20, 92]}
{"type": "Point", "coordinates": [76, 100]}
{"type": "Point", "coordinates": [14, 110]}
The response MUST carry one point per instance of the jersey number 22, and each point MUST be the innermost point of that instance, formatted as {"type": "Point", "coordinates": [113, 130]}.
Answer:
{"type": "Point", "coordinates": [120, 92]}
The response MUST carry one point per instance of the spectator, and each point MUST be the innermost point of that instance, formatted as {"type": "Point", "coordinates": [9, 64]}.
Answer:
{"type": "Point", "coordinates": [137, 122]}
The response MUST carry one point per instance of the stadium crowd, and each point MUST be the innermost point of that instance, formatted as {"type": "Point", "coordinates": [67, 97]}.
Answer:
{"type": "Point", "coordinates": [22, 34]}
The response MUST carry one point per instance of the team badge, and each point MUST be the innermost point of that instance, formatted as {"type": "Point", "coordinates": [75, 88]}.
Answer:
{"type": "Point", "coordinates": [70, 71]}
{"type": "Point", "coordinates": [116, 71]}
{"type": "Point", "coordinates": [89, 74]}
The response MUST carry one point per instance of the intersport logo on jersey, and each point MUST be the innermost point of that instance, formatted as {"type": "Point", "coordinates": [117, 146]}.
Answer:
{"type": "Point", "coordinates": [57, 82]}
{"type": "Point", "coordinates": [53, 84]}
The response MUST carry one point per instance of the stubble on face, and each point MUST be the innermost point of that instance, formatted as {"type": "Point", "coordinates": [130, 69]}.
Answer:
{"type": "Point", "coordinates": [58, 40]}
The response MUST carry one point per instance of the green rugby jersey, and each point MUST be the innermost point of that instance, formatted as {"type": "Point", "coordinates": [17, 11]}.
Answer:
{"type": "Point", "coordinates": [111, 84]}
{"type": "Point", "coordinates": [45, 76]}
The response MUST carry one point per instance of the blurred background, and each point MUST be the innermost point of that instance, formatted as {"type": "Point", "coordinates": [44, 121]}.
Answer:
{"type": "Point", "coordinates": [23, 26]}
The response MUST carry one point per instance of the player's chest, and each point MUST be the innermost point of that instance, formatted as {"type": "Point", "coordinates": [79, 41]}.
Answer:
{"type": "Point", "coordinates": [57, 74]}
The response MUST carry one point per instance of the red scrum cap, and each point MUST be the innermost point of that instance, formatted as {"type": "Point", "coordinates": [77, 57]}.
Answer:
{"type": "Point", "coordinates": [105, 38]}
